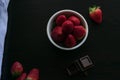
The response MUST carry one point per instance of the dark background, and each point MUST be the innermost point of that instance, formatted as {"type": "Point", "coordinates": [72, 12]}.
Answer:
{"type": "Point", "coordinates": [27, 41]}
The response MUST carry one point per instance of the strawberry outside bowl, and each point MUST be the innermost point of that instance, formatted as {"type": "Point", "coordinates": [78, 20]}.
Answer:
{"type": "Point", "coordinates": [69, 42]}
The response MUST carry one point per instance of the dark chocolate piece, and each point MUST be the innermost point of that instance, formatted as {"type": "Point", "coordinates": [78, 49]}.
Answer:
{"type": "Point", "coordinates": [80, 66]}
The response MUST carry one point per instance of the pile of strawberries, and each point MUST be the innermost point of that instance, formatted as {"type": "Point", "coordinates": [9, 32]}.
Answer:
{"type": "Point", "coordinates": [18, 74]}
{"type": "Point", "coordinates": [68, 30]}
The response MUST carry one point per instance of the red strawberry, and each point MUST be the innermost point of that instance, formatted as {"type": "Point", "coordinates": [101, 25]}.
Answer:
{"type": "Point", "coordinates": [22, 77]}
{"type": "Point", "coordinates": [33, 74]}
{"type": "Point", "coordinates": [60, 19]}
{"type": "Point", "coordinates": [75, 20]}
{"type": "Point", "coordinates": [70, 41]}
{"type": "Point", "coordinates": [16, 68]}
{"type": "Point", "coordinates": [67, 27]}
{"type": "Point", "coordinates": [57, 34]}
{"type": "Point", "coordinates": [79, 32]}
{"type": "Point", "coordinates": [95, 14]}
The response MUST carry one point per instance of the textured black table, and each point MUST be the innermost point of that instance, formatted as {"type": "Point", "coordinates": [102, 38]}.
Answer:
{"type": "Point", "coordinates": [27, 41]}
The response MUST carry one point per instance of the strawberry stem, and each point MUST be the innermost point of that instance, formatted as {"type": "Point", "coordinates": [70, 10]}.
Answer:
{"type": "Point", "coordinates": [92, 9]}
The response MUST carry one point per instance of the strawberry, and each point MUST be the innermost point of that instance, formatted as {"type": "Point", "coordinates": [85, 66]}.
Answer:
{"type": "Point", "coordinates": [22, 77]}
{"type": "Point", "coordinates": [57, 34]}
{"type": "Point", "coordinates": [67, 27]}
{"type": "Point", "coordinates": [79, 32]}
{"type": "Point", "coordinates": [70, 41]}
{"type": "Point", "coordinates": [60, 19]}
{"type": "Point", "coordinates": [33, 74]}
{"type": "Point", "coordinates": [75, 20]}
{"type": "Point", "coordinates": [16, 68]}
{"type": "Point", "coordinates": [95, 14]}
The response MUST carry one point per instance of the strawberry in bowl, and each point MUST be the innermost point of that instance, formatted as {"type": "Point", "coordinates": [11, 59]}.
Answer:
{"type": "Point", "coordinates": [67, 29]}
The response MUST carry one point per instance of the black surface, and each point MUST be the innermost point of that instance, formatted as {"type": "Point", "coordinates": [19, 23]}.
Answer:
{"type": "Point", "coordinates": [27, 41]}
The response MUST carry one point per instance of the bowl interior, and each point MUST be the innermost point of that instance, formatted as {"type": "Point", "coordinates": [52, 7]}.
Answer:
{"type": "Point", "coordinates": [51, 23]}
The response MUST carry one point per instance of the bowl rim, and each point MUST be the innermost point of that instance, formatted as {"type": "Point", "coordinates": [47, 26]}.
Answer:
{"type": "Point", "coordinates": [48, 29]}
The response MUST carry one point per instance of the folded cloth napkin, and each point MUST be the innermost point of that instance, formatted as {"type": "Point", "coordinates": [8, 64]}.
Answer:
{"type": "Point", "coordinates": [3, 27]}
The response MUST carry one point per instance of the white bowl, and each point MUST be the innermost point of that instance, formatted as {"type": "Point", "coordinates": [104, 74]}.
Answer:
{"type": "Point", "coordinates": [66, 12]}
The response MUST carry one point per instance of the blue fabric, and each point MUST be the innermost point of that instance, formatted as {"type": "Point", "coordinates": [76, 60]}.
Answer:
{"type": "Point", "coordinates": [3, 27]}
